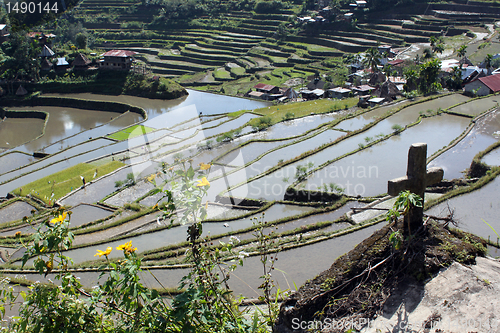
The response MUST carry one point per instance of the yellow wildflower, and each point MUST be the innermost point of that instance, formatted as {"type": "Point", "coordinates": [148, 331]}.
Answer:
{"type": "Point", "coordinates": [150, 178]}
{"type": "Point", "coordinates": [59, 219]}
{"type": "Point", "coordinates": [49, 265]}
{"type": "Point", "coordinates": [18, 234]}
{"type": "Point", "coordinates": [171, 169]}
{"type": "Point", "coordinates": [103, 253]}
{"type": "Point", "coordinates": [155, 206]}
{"type": "Point", "coordinates": [127, 247]}
{"type": "Point", "coordinates": [204, 166]}
{"type": "Point", "coordinates": [203, 182]}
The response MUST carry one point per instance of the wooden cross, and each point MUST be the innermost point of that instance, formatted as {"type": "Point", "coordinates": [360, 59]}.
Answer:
{"type": "Point", "coordinates": [416, 180]}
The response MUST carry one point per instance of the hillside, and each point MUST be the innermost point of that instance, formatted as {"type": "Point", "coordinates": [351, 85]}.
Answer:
{"type": "Point", "coordinates": [232, 42]}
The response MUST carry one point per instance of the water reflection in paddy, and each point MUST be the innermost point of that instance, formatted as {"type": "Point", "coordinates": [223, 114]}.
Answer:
{"type": "Point", "coordinates": [477, 107]}
{"type": "Point", "coordinates": [245, 281]}
{"type": "Point", "coordinates": [174, 235]}
{"type": "Point", "coordinates": [15, 211]}
{"type": "Point", "coordinates": [17, 131]}
{"type": "Point", "coordinates": [11, 161]}
{"type": "Point", "coordinates": [492, 158]}
{"type": "Point", "coordinates": [206, 103]}
{"type": "Point", "coordinates": [366, 173]}
{"type": "Point", "coordinates": [64, 122]}
{"type": "Point", "coordinates": [472, 208]}
{"type": "Point", "coordinates": [457, 159]}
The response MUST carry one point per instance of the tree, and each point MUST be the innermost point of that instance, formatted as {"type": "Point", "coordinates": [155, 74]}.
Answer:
{"type": "Point", "coordinates": [372, 59]}
{"type": "Point", "coordinates": [462, 51]}
{"type": "Point", "coordinates": [439, 48]}
{"type": "Point", "coordinates": [455, 81]}
{"type": "Point", "coordinates": [81, 40]}
{"type": "Point", "coordinates": [427, 54]}
{"type": "Point", "coordinates": [487, 61]}
{"type": "Point", "coordinates": [411, 77]}
{"type": "Point", "coordinates": [429, 76]}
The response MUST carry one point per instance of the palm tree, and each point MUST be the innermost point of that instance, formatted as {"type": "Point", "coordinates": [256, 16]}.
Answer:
{"type": "Point", "coordinates": [372, 59]}
{"type": "Point", "coordinates": [487, 62]}
{"type": "Point", "coordinates": [439, 48]}
{"type": "Point", "coordinates": [462, 51]}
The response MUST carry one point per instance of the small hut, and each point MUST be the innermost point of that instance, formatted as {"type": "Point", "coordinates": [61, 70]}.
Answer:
{"type": "Point", "coordinates": [389, 90]}
{"type": "Point", "coordinates": [46, 65]}
{"type": "Point", "coordinates": [465, 61]}
{"type": "Point", "coordinates": [21, 91]}
{"type": "Point", "coordinates": [62, 63]}
{"type": "Point", "coordinates": [291, 94]}
{"type": "Point", "coordinates": [46, 52]}
{"type": "Point", "coordinates": [81, 62]}
{"type": "Point", "coordinates": [376, 78]}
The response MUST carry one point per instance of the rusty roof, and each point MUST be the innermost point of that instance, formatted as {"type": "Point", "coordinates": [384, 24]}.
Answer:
{"type": "Point", "coordinates": [492, 82]}
{"type": "Point", "coordinates": [263, 86]}
{"type": "Point", "coordinates": [119, 53]}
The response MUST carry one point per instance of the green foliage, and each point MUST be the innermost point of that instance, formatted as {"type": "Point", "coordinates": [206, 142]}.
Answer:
{"type": "Point", "coordinates": [403, 202]}
{"type": "Point", "coordinates": [81, 41]}
{"type": "Point", "coordinates": [270, 6]}
{"type": "Point", "coordinates": [397, 128]}
{"type": "Point", "coordinates": [262, 123]}
{"type": "Point", "coordinates": [120, 302]}
{"type": "Point", "coordinates": [429, 76]}
{"type": "Point", "coordinates": [302, 170]}
{"type": "Point", "coordinates": [288, 116]}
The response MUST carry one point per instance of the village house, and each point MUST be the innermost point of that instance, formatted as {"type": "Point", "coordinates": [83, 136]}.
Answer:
{"type": "Point", "coordinates": [43, 39]}
{"type": "Point", "coordinates": [117, 59]}
{"type": "Point", "coordinates": [339, 92]}
{"type": "Point", "coordinates": [62, 64]}
{"type": "Point", "coordinates": [81, 62]}
{"type": "Point", "coordinates": [484, 85]}
{"type": "Point", "coordinates": [47, 52]}
{"type": "Point", "coordinates": [4, 33]}
{"type": "Point", "coordinates": [362, 90]}
{"type": "Point", "coordinates": [267, 88]}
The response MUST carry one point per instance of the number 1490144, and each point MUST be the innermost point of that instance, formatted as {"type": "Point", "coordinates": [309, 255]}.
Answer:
{"type": "Point", "coordinates": [31, 7]}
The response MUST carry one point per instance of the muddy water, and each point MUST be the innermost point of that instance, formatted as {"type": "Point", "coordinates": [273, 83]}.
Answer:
{"type": "Point", "coordinates": [472, 208]}
{"type": "Point", "coordinates": [457, 159]}
{"type": "Point", "coordinates": [165, 237]}
{"type": "Point", "coordinates": [206, 103]}
{"type": "Point", "coordinates": [83, 214]}
{"type": "Point", "coordinates": [298, 126]}
{"type": "Point", "coordinates": [64, 122]}
{"type": "Point", "coordinates": [366, 173]}
{"type": "Point", "coordinates": [97, 191]}
{"type": "Point", "coordinates": [273, 186]}
{"type": "Point", "coordinates": [477, 107]}
{"type": "Point", "coordinates": [11, 161]}
{"type": "Point", "coordinates": [492, 158]}
{"type": "Point", "coordinates": [130, 194]}
{"type": "Point", "coordinates": [123, 120]}
{"type": "Point", "coordinates": [15, 211]}
{"type": "Point", "coordinates": [15, 131]}
{"type": "Point", "coordinates": [293, 267]}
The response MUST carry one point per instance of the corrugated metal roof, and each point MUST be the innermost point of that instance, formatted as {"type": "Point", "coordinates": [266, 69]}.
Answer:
{"type": "Point", "coordinates": [119, 53]}
{"type": "Point", "coordinates": [492, 82]}
{"type": "Point", "coordinates": [62, 62]}
{"type": "Point", "coordinates": [264, 86]}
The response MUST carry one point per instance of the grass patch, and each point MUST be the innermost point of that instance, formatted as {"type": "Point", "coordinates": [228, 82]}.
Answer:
{"type": "Point", "coordinates": [63, 182]}
{"type": "Point", "coordinates": [278, 112]}
{"type": "Point", "coordinates": [221, 73]}
{"type": "Point", "coordinates": [131, 132]}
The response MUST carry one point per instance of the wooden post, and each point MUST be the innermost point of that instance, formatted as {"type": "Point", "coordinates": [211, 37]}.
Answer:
{"type": "Point", "coordinates": [416, 180]}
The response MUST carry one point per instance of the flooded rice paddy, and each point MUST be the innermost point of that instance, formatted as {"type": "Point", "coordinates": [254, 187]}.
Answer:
{"type": "Point", "coordinates": [189, 126]}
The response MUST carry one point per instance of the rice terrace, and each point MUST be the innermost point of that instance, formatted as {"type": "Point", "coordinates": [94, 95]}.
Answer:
{"type": "Point", "coordinates": [231, 166]}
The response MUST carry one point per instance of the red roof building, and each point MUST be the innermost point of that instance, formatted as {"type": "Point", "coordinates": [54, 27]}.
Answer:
{"type": "Point", "coordinates": [267, 88]}
{"type": "Point", "coordinates": [117, 59]}
{"type": "Point", "coordinates": [484, 85]}
{"type": "Point", "coordinates": [395, 62]}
